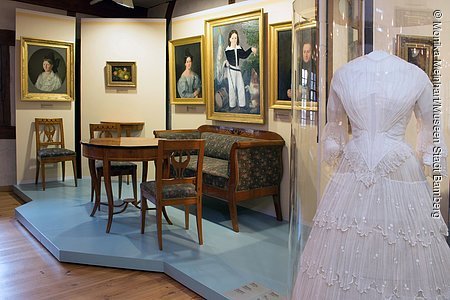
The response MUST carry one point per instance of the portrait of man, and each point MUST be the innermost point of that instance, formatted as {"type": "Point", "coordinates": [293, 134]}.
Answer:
{"type": "Point", "coordinates": [418, 56]}
{"type": "Point", "coordinates": [417, 50]}
{"type": "Point", "coordinates": [308, 73]}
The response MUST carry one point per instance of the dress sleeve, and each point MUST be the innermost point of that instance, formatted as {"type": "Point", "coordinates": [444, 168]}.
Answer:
{"type": "Point", "coordinates": [335, 133]}
{"type": "Point", "coordinates": [430, 135]}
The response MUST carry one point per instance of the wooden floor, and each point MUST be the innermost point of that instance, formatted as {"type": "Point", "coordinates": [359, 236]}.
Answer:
{"type": "Point", "coordinates": [29, 271]}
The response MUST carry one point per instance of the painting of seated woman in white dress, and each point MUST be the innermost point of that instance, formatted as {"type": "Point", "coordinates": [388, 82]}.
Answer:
{"type": "Point", "coordinates": [47, 70]}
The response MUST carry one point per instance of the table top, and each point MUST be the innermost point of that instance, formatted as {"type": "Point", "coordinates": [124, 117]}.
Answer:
{"type": "Point", "coordinates": [123, 142]}
{"type": "Point", "coordinates": [124, 123]}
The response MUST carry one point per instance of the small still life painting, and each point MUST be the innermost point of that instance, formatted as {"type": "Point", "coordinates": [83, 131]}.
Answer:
{"type": "Point", "coordinates": [120, 74]}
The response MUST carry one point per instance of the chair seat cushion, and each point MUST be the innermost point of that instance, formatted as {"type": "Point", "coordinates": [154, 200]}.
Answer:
{"type": "Point", "coordinates": [116, 164]}
{"type": "Point", "coordinates": [169, 192]}
{"type": "Point", "coordinates": [55, 152]}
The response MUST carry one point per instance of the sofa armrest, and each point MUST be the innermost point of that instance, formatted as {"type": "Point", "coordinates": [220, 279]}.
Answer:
{"type": "Point", "coordinates": [256, 164]}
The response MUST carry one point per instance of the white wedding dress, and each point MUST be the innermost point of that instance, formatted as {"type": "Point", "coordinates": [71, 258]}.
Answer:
{"type": "Point", "coordinates": [373, 236]}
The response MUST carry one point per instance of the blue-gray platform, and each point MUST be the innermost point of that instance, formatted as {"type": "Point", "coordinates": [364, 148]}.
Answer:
{"type": "Point", "coordinates": [59, 219]}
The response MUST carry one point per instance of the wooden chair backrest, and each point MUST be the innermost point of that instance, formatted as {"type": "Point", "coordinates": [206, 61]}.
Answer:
{"type": "Point", "coordinates": [104, 130]}
{"type": "Point", "coordinates": [49, 132]}
{"type": "Point", "coordinates": [175, 155]}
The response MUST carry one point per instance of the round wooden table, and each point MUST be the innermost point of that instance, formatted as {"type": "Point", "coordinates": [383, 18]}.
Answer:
{"type": "Point", "coordinates": [117, 149]}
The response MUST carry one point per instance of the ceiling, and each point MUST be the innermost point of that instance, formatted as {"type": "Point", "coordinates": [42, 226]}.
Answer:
{"type": "Point", "coordinates": [148, 3]}
{"type": "Point", "coordinates": [104, 8]}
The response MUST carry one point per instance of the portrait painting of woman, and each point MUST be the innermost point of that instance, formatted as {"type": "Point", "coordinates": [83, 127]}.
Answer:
{"type": "Point", "coordinates": [186, 70]}
{"type": "Point", "coordinates": [48, 80]}
{"type": "Point", "coordinates": [189, 84]}
{"type": "Point", "coordinates": [47, 70]}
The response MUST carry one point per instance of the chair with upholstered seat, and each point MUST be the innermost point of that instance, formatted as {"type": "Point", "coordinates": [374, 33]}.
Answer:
{"type": "Point", "coordinates": [173, 186]}
{"type": "Point", "coordinates": [50, 147]}
{"type": "Point", "coordinates": [110, 130]}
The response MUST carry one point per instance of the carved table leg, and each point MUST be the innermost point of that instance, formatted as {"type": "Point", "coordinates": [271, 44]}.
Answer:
{"type": "Point", "coordinates": [107, 178]}
{"type": "Point", "coordinates": [94, 181]}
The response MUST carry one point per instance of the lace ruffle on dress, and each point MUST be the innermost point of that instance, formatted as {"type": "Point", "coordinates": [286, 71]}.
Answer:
{"type": "Point", "coordinates": [373, 235]}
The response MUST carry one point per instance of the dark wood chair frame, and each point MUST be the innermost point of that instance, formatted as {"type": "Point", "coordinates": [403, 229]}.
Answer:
{"type": "Point", "coordinates": [109, 130]}
{"type": "Point", "coordinates": [174, 155]}
{"type": "Point", "coordinates": [50, 133]}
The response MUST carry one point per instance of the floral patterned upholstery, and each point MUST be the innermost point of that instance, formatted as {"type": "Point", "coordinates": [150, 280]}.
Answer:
{"type": "Point", "coordinates": [55, 152]}
{"type": "Point", "coordinates": [179, 135]}
{"type": "Point", "coordinates": [219, 145]}
{"type": "Point", "coordinates": [169, 191]}
{"type": "Point", "coordinates": [238, 165]}
{"type": "Point", "coordinates": [215, 171]}
{"type": "Point", "coordinates": [258, 168]}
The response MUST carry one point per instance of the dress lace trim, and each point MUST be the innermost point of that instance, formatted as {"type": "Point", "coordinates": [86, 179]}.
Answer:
{"type": "Point", "coordinates": [390, 234]}
{"type": "Point", "coordinates": [345, 281]}
{"type": "Point", "coordinates": [390, 162]}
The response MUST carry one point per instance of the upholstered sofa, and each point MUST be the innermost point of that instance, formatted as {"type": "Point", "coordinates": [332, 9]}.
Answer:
{"type": "Point", "coordinates": [239, 164]}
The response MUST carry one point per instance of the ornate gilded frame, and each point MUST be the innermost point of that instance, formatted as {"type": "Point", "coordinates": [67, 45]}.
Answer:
{"type": "Point", "coordinates": [194, 46]}
{"type": "Point", "coordinates": [275, 80]}
{"type": "Point", "coordinates": [32, 53]}
{"type": "Point", "coordinates": [422, 46]}
{"type": "Point", "coordinates": [126, 79]}
{"type": "Point", "coordinates": [250, 27]}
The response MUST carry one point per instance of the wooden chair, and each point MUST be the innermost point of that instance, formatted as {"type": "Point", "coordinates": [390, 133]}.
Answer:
{"type": "Point", "coordinates": [109, 130]}
{"type": "Point", "coordinates": [175, 188]}
{"type": "Point", "coordinates": [50, 147]}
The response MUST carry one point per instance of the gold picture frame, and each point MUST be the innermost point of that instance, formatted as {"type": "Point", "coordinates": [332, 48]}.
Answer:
{"type": "Point", "coordinates": [235, 90]}
{"type": "Point", "coordinates": [417, 50]}
{"type": "Point", "coordinates": [280, 43]}
{"type": "Point", "coordinates": [186, 89]}
{"type": "Point", "coordinates": [121, 74]}
{"type": "Point", "coordinates": [47, 70]}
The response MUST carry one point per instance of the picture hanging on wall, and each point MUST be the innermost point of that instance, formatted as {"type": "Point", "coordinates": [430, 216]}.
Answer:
{"type": "Point", "coordinates": [186, 70]}
{"type": "Point", "coordinates": [120, 74]}
{"type": "Point", "coordinates": [280, 44]}
{"type": "Point", "coordinates": [306, 61]}
{"type": "Point", "coordinates": [417, 50]}
{"type": "Point", "coordinates": [47, 70]}
{"type": "Point", "coordinates": [234, 64]}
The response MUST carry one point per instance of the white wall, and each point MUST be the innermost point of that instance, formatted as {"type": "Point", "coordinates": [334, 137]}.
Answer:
{"type": "Point", "coordinates": [191, 116]}
{"type": "Point", "coordinates": [142, 41]}
{"type": "Point", "coordinates": [50, 27]}
{"type": "Point", "coordinates": [8, 147]}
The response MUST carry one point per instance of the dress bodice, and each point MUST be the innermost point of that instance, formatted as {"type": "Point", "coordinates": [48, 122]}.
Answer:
{"type": "Point", "coordinates": [378, 92]}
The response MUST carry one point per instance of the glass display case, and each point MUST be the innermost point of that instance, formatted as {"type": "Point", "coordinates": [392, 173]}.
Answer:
{"type": "Point", "coordinates": [326, 36]}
